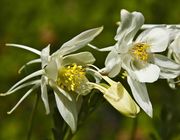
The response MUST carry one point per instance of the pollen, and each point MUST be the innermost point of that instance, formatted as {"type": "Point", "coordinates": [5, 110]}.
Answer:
{"type": "Point", "coordinates": [71, 77]}
{"type": "Point", "coordinates": [139, 51]}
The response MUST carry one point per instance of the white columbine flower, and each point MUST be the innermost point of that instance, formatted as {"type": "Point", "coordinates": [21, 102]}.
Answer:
{"type": "Point", "coordinates": [174, 49]}
{"type": "Point", "coordinates": [174, 53]}
{"type": "Point", "coordinates": [63, 72]}
{"type": "Point", "coordinates": [137, 56]}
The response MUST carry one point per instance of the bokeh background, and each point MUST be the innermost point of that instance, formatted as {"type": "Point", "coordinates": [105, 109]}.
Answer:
{"type": "Point", "coordinates": [37, 23]}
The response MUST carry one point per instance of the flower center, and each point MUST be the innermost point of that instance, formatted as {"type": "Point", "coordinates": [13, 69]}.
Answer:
{"type": "Point", "coordinates": [139, 50]}
{"type": "Point", "coordinates": [71, 77]}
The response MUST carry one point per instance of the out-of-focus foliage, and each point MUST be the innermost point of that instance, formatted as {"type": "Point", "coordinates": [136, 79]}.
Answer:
{"type": "Point", "coordinates": [37, 23]}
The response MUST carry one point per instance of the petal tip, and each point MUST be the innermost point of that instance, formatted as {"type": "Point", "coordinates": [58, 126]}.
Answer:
{"type": "Point", "coordinates": [9, 112]}
{"type": "Point", "coordinates": [3, 94]}
{"type": "Point", "coordinates": [149, 112]}
{"type": "Point", "coordinates": [124, 11]}
{"type": "Point", "coordinates": [47, 112]}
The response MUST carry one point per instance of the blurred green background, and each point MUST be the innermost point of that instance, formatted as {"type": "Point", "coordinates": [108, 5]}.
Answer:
{"type": "Point", "coordinates": [37, 23]}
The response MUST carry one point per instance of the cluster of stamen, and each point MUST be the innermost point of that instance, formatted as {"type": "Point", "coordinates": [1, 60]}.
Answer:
{"type": "Point", "coordinates": [71, 77]}
{"type": "Point", "coordinates": [139, 50]}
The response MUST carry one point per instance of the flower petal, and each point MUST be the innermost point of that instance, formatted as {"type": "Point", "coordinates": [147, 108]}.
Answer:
{"type": "Point", "coordinates": [140, 94]}
{"type": "Point", "coordinates": [118, 97]}
{"type": "Point", "coordinates": [169, 68]}
{"type": "Point", "coordinates": [84, 88]}
{"type": "Point", "coordinates": [157, 38]}
{"type": "Point", "coordinates": [96, 75]}
{"type": "Point", "coordinates": [51, 70]}
{"type": "Point", "coordinates": [130, 24]}
{"type": "Point", "coordinates": [29, 63]}
{"type": "Point", "coordinates": [79, 41]}
{"type": "Point", "coordinates": [174, 47]}
{"type": "Point", "coordinates": [44, 94]}
{"type": "Point", "coordinates": [45, 56]}
{"type": "Point", "coordinates": [125, 104]}
{"type": "Point", "coordinates": [175, 44]}
{"type": "Point", "coordinates": [24, 96]}
{"type": "Point", "coordinates": [171, 83]}
{"type": "Point", "coordinates": [37, 73]}
{"type": "Point", "coordinates": [57, 89]}
{"type": "Point", "coordinates": [25, 47]}
{"type": "Point", "coordinates": [68, 110]}
{"type": "Point", "coordinates": [82, 58]}
{"type": "Point", "coordinates": [106, 49]}
{"type": "Point", "coordinates": [21, 86]}
{"type": "Point", "coordinates": [112, 64]}
{"type": "Point", "coordinates": [150, 73]}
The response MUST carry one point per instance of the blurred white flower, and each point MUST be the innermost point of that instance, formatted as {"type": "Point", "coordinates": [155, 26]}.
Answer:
{"type": "Point", "coordinates": [174, 49]}
{"type": "Point", "coordinates": [174, 53]}
{"type": "Point", "coordinates": [63, 72]}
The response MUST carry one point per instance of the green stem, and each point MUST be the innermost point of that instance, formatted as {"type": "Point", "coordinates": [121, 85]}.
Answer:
{"type": "Point", "coordinates": [134, 128]}
{"type": "Point", "coordinates": [68, 135]}
{"type": "Point", "coordinates": [32, 117]}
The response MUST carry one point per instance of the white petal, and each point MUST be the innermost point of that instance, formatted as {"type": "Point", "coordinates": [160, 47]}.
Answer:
{"type": "Point", "coordinates": [150, 73]}
{"type": "Point", "coordinates": [130, 24]}
{"type": "Point", "coordinates": [168, 74]}
{"type": "Point", "coordinates": [51, 70]}
{"type": "Point", "coordinates": [148, 26]}
{"type": "Point", "coordinates": [24, 96]}
{"type": "Point", "coordinates": [165, 62]}
{"type": "Point", "coordinates": [174, 49]}
{"type": "Point", "coordinates": [37, 73]}
{"type": "Point", "coordinates": [118, 97]}
{"type": "Point", "coordinates": [57, 89]}
{"type": "Point", "coordinates": [29, 63]}
{"type": "Point", "coordinates": [112, 64]}
{"type": "Point", "coordinates": [79, 41]}
{"type": "Point", "coordinates": [68, 110]}
{"type": "Point", "coordinates": [171, 83]}
{"type": "Point", "coordinates": [84, 88]}
{"type": "Point", "coordinates": [106, 49]}
{"type": "Point", "coordinates": [169, 68]}
{"type": "Point", "coordinates": [125, 104]}
{"type": "Point", "coordinates": [25, 47]}
{"type": "Point", "coordinates": [45, 56]}
{"type": "Point", "coordinates": [140, 94]}
{"type": "Point", "coordinates": [157, 38]}
{"type": "Point", "coordinates": [21, 86]}
{"type": "Point", "coordinates": [175, 45]}
{"type": "Point", "coordinates": [44, 94]}
{"type": "Point", "coordinates": [82, 58]}
{"type": "Point", "coordinates": [96, 75]}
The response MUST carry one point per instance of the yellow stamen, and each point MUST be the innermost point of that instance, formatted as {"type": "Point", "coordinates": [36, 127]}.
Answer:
{"type": "Point", "coordinates": [139, 50]}
{"type": "Point", "coordinates": [124, 75]}
{"type": "Point", "coordinates": [71, 77]}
